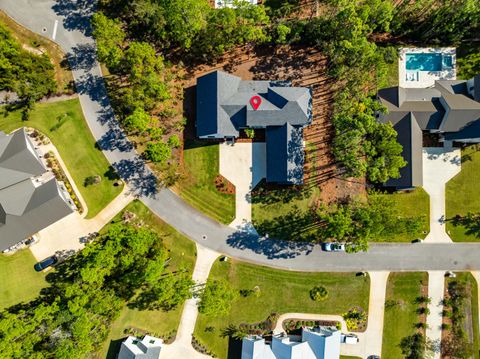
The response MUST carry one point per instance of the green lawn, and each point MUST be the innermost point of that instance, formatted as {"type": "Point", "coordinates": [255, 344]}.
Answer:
{"type": "Point", "coordinates": [76, 146]}
{"type": "Point", "coordinates": [348, 357]}
{"type": "Point", "coordinates": [462, 196]}
{"type": "Point", "coordinates": [412, 204]}
{"type": "Point", "coordinates": [201, 161]}
{"type": "Point", "coordinates": [284, 213]}
{"type": "Point", "coordinates": [400, 318]}
{"type": "Point", "coordinates": [19, 281]}
{"type": "Point", "coordinates": [472, 329]}
{"type": "Point", "coordinates": [280, 292]}
{"type": "Point", "coordinates": [182, 254]}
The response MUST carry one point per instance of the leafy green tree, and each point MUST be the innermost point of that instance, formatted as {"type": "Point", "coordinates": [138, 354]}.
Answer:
{"type": "Point", "coordinates": [138, 121]}
{"type": "Point", "coordinates": [216, 299]}
{"type": "Point", "coordinates": [157, 151]}
{"type": "Point", "coordinates": [184, 19]}
{"type": "Point", "coordinates": [110, 39]}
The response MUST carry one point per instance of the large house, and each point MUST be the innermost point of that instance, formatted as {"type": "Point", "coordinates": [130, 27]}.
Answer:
{"type": "Point", "coordinates": [314, 343]}
{"type": "Point", "coordinates": [226, 104]}
{"type": "Point", "coordinates": [451, 109]}
{"type": "Point", "coordinates": [30, 197]}
{"type": "Point", "coordinates": [147, 348]}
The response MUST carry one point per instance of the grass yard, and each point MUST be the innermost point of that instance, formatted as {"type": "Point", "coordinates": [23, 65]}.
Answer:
{"type": "Point", "coordinates": [36, 43]}
{"type": "Point", "coordinates": [401, 317]}
{"type": "Point", "coordinates": [76, 145]}
{"type": "Point", "coordinates": [157, 322]}
{"type": "Point", "coordinates": [285, 213]}
{"type": "Point", "coordinates": [412, 204]}
{"type": "Point", "coordinates": [280, 292]}
{"type": "Point", "coordinates": [461, 197]}
{"type": "Point", "coordinates": [348, 357]}
{"type": "Point", "coordinates": [19, 281]}
{"type": "Point", "coordinates": [201, 161]}
{"type": "Point", "coordinates": [470, 320]}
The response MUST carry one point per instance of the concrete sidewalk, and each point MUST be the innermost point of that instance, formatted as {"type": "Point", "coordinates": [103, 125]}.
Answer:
{"type": "Point", "coordinates": [439, 166]}
{"type": "Point", "coordinates": [436, 287]}
{"type": "Point", "coordinates": [182, 346]}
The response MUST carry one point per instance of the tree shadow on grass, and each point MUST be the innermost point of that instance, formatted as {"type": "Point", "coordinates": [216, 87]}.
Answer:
{"type": "Point", "coordinates": [114, 348]}
{"type": "Point", "coordinates": [265, 193]}
{"type": "Point", "coordinates": [471, 223]}
{"type": "Point", "coordinates": [296, 225]}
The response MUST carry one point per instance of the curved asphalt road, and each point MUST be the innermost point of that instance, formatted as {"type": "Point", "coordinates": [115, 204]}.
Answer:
{"type": "Point", "coordinates": [69, 21]}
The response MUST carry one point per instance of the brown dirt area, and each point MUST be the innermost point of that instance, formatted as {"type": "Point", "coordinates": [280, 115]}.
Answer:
{"type": "Point", "coordinates": [303, 66]}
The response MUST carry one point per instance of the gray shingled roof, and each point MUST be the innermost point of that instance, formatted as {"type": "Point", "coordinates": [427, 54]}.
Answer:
{"type": "Point", "coordinates": [223, 105]}
{"type": "Point", "coordinates": [410, 137]}
{"type": "Point", "coordinates": [461, 111]}
{"type": "Point", "coordinates": [223, 108]}
{"type": "Point", "coordinates": [25, 207]}
{"type": "Point", "coordinates": [285, 154]}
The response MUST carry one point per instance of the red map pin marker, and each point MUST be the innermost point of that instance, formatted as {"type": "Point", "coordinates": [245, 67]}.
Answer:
{"type": "Point", "coordinates": [255, 101]}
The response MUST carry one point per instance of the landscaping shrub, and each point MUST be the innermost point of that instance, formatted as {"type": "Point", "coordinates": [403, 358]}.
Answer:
{"type": "Point", "coordinates": [318, 293]}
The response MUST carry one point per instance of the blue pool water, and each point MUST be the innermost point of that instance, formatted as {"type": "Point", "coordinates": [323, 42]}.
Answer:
{"type": "Point", "coordinates": [428, 62]}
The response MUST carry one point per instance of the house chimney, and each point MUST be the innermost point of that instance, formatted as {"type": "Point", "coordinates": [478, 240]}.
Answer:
{"type": "Point", "coordinates": [476, 88]}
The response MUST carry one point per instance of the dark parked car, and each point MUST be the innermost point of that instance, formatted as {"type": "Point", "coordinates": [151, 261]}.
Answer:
{"type": "Point", "coordinates": [47, 262]}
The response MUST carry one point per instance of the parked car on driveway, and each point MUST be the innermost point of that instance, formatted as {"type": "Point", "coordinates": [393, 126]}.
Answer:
{"type": "Point", "coordinates": [47, 262]}
{"type": "Point", "coordinates": [334, 247]}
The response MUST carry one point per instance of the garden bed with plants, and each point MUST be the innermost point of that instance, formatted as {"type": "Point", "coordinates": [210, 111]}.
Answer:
{"type": "Point", "coordinates": [460, 334]}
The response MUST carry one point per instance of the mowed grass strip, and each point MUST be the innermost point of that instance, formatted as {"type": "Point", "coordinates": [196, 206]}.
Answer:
{"type": "Point", "coordinates": [201, 167]}
{"type": "Point", "coordinates": [280, 292]}
{"type": "Point", "coordinates": [182, 256]}
{"type": "Point", "coordinates": [412, 204]}
{"type": "Point", "coordinates": [19, 281]}
{"type": "Point", "coordinates": [64, 124]}
{"type": "Point", "coordinates": [400, 319]}
{"type": "Point", "coordinates": [461, 196]}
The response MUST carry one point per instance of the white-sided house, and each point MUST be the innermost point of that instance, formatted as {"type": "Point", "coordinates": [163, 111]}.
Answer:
{"type": "Point", "coordinates": [30, 196]}
{"type": "Point", "coordinates": [147, 348]}
{"type": "Point", "coordinates": [314, 343]}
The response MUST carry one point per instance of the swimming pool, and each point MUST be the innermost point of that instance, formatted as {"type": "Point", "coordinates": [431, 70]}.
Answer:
{"type": "Point", "coordinates": [428, 61]}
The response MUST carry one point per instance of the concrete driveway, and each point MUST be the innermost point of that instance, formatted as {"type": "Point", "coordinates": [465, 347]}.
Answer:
{"type": "Point", "coordinates": [243, 164]}
{"type": "Point", "coordinates": [436, 287]}
{"type": "Point", "coordinates": [439, 166]}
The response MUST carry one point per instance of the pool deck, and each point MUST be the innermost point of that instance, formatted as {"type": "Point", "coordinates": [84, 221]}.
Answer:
{"type": "Point", "coordinates": [424, 79]}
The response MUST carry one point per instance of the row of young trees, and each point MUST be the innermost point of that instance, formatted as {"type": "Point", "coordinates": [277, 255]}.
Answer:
{"type": "Point", "coordinates": [72, 317]}
{"type": "Point", "coordinates": [29, 75]}
{"type": "Point", "coordinates": [357, 222]}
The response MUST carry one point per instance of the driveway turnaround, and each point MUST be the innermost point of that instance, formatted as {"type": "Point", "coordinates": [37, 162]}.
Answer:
{"type": "Point", "coordinates": [439, 166]}
{"type": "Point", "coordinates": [244, 165]}
{"type": "Point", "coordinates": [69, 235]}
{"type": "Point", "coordinates": [73, 35]}
{"type": "Point", "coordinates": [436, 287]}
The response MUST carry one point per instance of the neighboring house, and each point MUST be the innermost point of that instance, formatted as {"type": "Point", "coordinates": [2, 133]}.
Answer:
{"type": "Point", "coordinates": [30, 197]}
{"type": "Point", "coordinates": [451, 109]}
{"type": "Point", "coordinates": [226, 104]}
{"type": "Point", "coordinates": [147, 348]}
{"type": "Point", "coordinates": [231, 3]}
{"type": "Point", "coordinates": [314, 343]}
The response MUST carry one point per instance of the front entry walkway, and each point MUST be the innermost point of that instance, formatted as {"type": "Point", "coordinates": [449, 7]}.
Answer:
{"type": "Point", "coordinates": [436, 287]}
{"type": "Point", "coordinates": [439, 166]}
{"type": "Point", "coordinates": [182, 346]}
{"type": "Point", "coordinates": [244, 165]}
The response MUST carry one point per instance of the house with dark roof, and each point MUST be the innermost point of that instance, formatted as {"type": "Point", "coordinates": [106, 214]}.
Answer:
{"type": "Point", "coordinates": [226, 104]}
{"type": "Point", "coordinates": [451, 109]}
{"type": "Point", "coordinates": [30, 197]}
